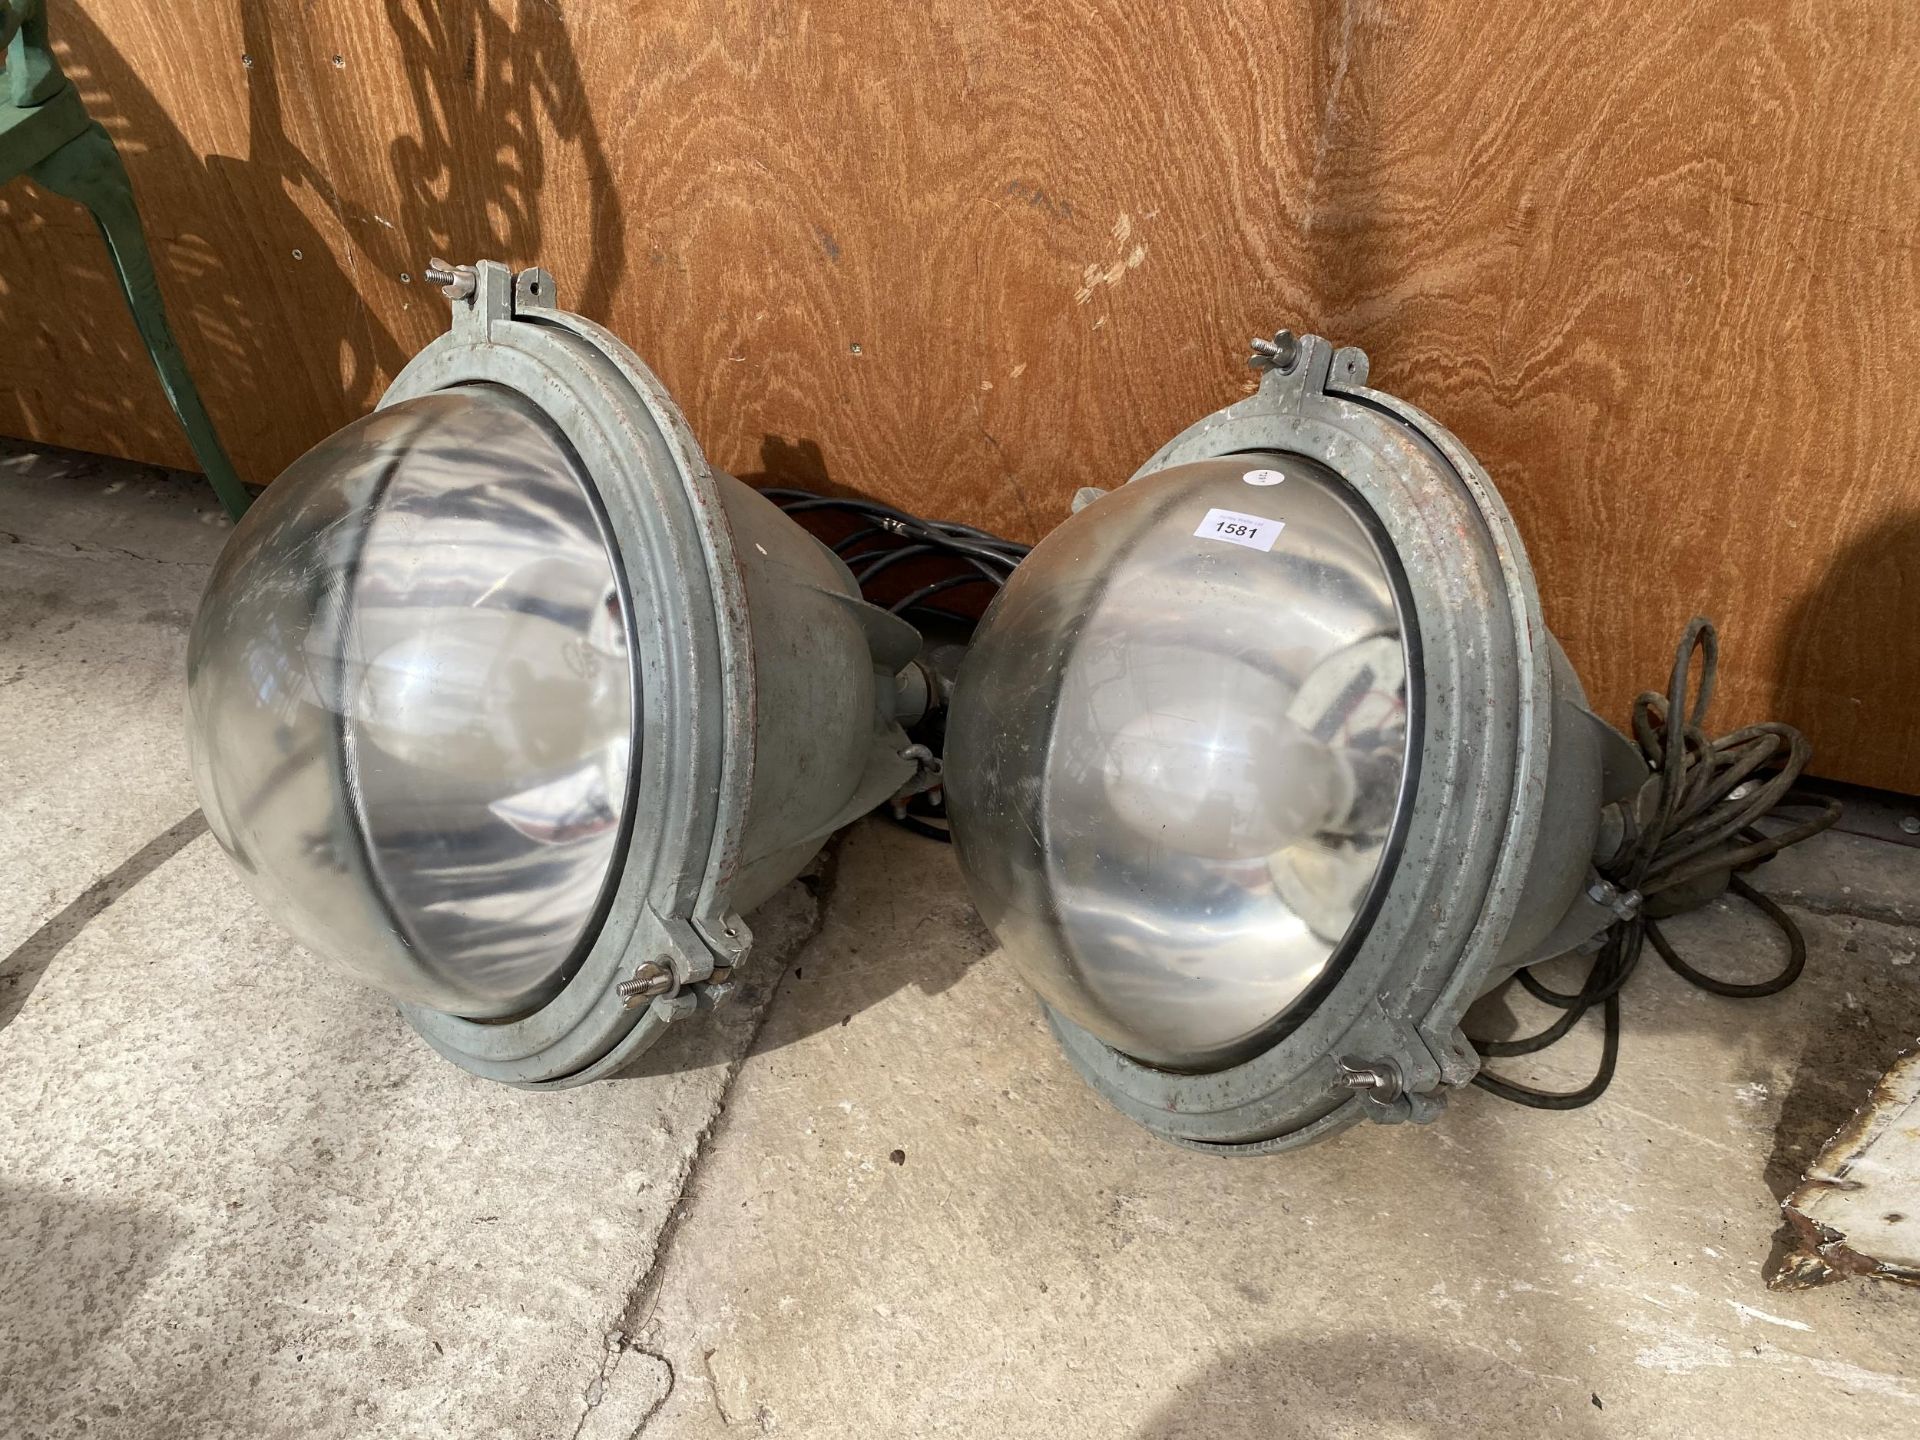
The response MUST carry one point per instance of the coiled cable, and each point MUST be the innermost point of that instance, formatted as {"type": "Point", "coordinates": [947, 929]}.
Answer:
{"type": "Point", "coordinates": [884, 539]}
{"type": "Point", "coordinates": [1710, 798]}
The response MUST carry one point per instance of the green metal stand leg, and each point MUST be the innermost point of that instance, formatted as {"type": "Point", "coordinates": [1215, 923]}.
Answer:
{"type": "Point", "coordinates": [87, 169]}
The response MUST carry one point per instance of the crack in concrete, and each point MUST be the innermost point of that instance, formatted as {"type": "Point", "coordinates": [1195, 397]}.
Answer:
{"type": "Point", "coordinates": [673, 1380]}
{"type": "Point", "coordinates": [713, 1389]}
{"type": "Point", "coordinates": [96, 552]}
{"type": "Point", "coordinates": [1878, 912]}
{"type": "Point", "coordinates": [637, 1315]}
{"type": "Point", "coordinates": [619, 1344]}
{"type": "Point", "coordinates": [596, 1390]}
{"type": "Point", "coordinates": [643, 1296]}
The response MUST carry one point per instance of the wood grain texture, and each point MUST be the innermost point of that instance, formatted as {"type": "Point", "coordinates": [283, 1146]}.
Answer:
{"type": "Point", "coordinates": [1654, 263]}
{"type": "Point", "coordinates": [1656, 266]}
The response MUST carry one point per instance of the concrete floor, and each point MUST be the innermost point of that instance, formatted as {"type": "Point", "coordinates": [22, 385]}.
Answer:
{"type": "Point", "coordinates": [238, 1198]}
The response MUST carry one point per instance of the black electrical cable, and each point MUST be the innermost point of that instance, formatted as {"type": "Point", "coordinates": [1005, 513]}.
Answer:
{"type": "Point", "coordinates": [877, 561]}
{"type": "Point", "coordinates": [885, 537]}
{"type": "Point", "coordinates": [1709, 798]}
{"type": "Point", "coordinates": [890, 558]}
{"type": "Point", "coordinates": [886, 542]}
{"type": "Point", "coordinates": [924, 814]}
{"type": "Point", "coordinates": [799, 502]}
{"type": "Point", "coordinates": [847, 542]}
{"type": "Point", "coordinates": [917, 600]}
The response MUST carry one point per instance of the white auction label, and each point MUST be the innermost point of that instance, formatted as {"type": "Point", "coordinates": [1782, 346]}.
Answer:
{"type": "Point", "coordinates": [1256, 532]}
{"type": "Point", "coordinates": [1264, 477]}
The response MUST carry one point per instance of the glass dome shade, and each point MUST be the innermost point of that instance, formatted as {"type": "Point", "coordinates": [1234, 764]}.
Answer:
{"type": "Point", "coordinates": [1177, 754]}
{"type": "Point", "coordinates": [411, 706]}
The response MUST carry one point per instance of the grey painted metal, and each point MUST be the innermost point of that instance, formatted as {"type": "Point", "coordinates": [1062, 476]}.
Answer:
{"type": "Point", "coordinates": [1482, 883]}
{"type": "Point", "coordinates": [764, 689]}
{"type": "Point", "coordinates": [411, 704]}
{"type": "Point", "coordinates": [1181, 754]}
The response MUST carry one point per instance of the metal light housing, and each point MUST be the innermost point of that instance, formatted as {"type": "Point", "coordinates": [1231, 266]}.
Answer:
{"type": "Point", "coordinates": [1264, 766]}
{"type": "Point", "coordinates": [503, 700]}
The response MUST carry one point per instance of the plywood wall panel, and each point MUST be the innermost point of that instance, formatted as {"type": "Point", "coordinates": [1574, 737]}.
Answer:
{"type": "Point", "coordinates": [1656, 266]}
{"type": "Point", "coordinates": [1654, 263]}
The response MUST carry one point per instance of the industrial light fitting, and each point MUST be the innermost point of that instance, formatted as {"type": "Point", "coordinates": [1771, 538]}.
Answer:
{"type": "Point", "coordinates": [1263, 767]}
{"type": "Point", "coordinates": [503, 700]}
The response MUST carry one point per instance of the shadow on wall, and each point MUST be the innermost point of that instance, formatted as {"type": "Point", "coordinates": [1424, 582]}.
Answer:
{"type": "Point", "coordinates": [295, 301]}
{"type": "Point", "coordinates": [204, 260]}
{"type": "Point", "coordinates": [335, 338]}
{"type": "Point", "coordinates": [800, 465]}
{"type": "Point", "coordinates": [486, 89]}
{"type": "Point", "coordinates": [1854, 634]}
{"type": "Point", "coordinates": [1841, 641]}
{"type": "Point", "coordinates": [793, 465]}
{"type": "Point", "coordinates": [263, 352]}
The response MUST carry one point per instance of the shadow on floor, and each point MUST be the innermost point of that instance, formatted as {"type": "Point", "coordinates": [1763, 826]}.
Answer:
{"type": "Point", "coordinates": [23, 968]}
{"type": "Point", "coordinates": [1349, 1384]}
{"type": "Point", "coordinates": [70, 1269]}
{"type": "Point", "coordinates": [834, 974]}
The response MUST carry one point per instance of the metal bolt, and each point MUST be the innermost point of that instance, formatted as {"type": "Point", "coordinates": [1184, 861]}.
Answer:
{"type": "Point", "coordinates": [649, 980]}
{"type": "Point", "coordinates": [1910, 824]}
{"type": "Point", "coordinates": [1281, 353]}
{"type": "Point", "coordinates": [1624, 904]}
{"type": "Point", "coordinates": [457, 280]}
{"type": "Point", "coordinates": [1381, 1078]}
